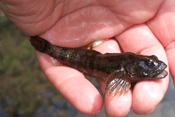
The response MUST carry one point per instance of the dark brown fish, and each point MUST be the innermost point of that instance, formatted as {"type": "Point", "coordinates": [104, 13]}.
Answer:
{"type": "Point", "coordinates": [118, 70]}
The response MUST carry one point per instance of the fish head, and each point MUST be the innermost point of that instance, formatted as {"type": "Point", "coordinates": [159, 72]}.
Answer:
{"type": "Point", "coordinates": [146, 67]}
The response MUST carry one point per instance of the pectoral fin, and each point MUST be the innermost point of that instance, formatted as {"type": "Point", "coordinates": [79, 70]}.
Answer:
{"type": "Point", "coordinates": [117, 83]}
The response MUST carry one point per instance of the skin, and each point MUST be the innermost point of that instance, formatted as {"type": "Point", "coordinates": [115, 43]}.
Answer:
{"type": "Point", "coordinates": [141, 26]}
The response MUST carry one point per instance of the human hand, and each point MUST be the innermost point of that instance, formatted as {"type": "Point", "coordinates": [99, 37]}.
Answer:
{"type": "Point", "coordinates": [139, 27]}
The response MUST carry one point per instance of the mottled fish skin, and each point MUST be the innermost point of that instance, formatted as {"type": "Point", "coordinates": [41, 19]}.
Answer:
{"type": "Point", "coordinates": [118, 70]}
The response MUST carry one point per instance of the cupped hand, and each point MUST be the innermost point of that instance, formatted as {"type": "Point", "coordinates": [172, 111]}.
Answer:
{"type": "Point", "coordinates": [140, 26]}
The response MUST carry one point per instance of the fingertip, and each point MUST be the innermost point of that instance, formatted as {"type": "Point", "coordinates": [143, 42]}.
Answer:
{"type": "Point", "coordinates": [117, 106]}
{"type": "Point", "coordinates": [170, 50]}
{"type": "Point", "coordinates": [97, 105]}
{"type": "Point", "coordinates": [147, 95]}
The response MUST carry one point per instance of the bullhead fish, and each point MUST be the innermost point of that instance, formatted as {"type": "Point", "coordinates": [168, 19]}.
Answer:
{"type": "Point", "coordinates": [118, 70]}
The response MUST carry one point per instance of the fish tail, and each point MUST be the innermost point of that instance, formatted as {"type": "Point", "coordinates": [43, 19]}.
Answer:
{"type": "Point", "coordinates": [38, 43]}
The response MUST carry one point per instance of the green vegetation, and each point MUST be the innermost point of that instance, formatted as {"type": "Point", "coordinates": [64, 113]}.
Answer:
{"type": "Point", "coordinates": [23, 87]}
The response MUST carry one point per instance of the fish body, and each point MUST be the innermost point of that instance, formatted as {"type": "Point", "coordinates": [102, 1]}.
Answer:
{"type": "Point", "coordinates": [118, 70]}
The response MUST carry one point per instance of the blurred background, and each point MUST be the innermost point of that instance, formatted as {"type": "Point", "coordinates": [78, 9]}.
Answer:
{"type": "Point", "coordinates": [26, 92]}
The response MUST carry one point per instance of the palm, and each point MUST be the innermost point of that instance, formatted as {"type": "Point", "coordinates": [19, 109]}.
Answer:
{"type": "Point", "coordinates": [137, 26]}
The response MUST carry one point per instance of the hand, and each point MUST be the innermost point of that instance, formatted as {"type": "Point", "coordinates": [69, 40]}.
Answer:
{"type": "Point", "coordinates": [143, 27]}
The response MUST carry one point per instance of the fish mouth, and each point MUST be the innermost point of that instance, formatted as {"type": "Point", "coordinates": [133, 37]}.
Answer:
{"type": "Point", "coordinates": [162, 74]}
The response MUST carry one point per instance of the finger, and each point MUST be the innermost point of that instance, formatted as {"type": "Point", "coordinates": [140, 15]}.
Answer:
{"type": "Point", "coordinates": [72, 85]}
{"type": "Point", "coordinates": [114, 106]}
{"type": "Point", "coordinates": [163, 27]}
{"type": "Point", "coordinates": [118, 106]}
{"type": "Point", "coordinates": [146, 94]}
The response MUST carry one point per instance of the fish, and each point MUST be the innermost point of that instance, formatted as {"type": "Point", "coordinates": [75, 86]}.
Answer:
{"type": "Point", "coordinates": [118, 70]}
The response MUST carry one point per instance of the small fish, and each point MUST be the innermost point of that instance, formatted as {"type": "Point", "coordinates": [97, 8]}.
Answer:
{"type": "Point", "coordinates": [118, 70]}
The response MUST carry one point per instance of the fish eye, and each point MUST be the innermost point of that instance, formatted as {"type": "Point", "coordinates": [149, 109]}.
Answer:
{"type": "Point", "coordinates": [151, 63]}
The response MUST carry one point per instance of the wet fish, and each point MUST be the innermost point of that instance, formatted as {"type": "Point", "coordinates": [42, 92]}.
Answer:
{"type": "Point", "coordinates": [118, 70]}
